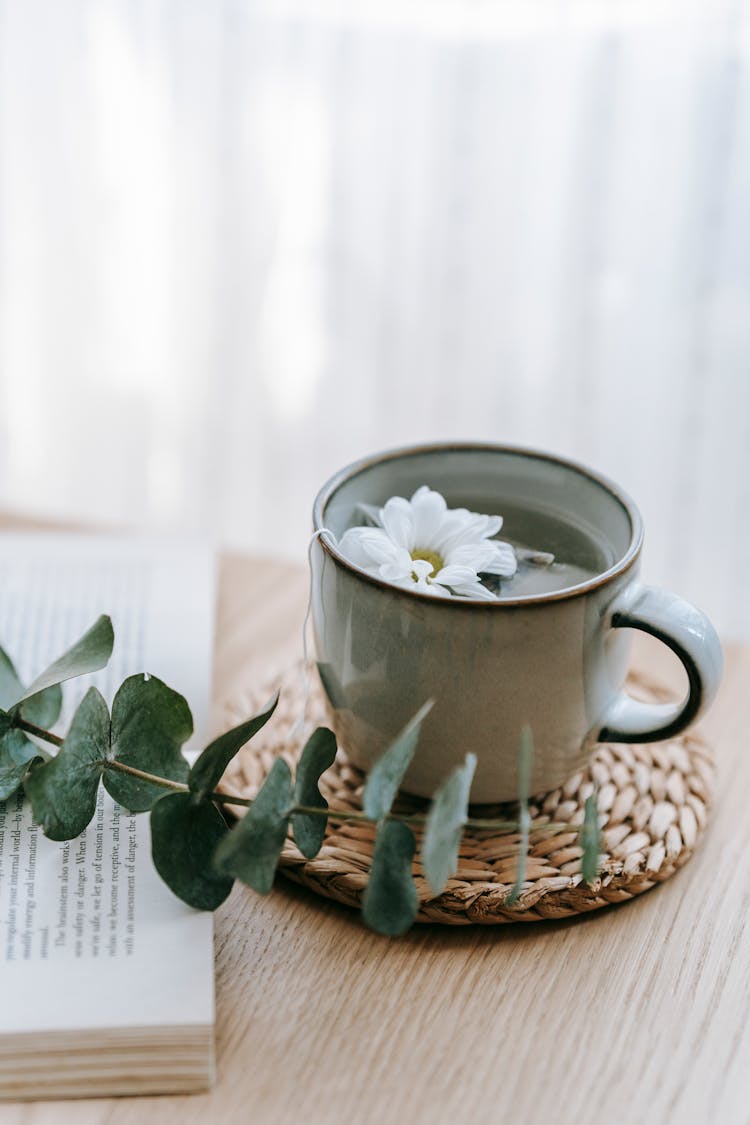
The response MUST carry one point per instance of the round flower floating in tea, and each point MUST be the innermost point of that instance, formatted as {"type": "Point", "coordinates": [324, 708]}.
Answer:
{"type": "Point", "coordinates": [422, 544]}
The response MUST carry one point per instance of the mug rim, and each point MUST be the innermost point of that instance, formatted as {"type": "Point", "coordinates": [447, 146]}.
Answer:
{"type": "Point", "coordinates": [348, 472]}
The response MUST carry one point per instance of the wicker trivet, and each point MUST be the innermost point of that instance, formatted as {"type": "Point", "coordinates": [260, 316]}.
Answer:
{"type": "Point", "coordinates": [653, 803]}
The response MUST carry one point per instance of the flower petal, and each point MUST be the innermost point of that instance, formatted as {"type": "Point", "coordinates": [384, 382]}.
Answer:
{"type": "Point", "coordinates": [491, 556]}
{"type": "Point", "coordinates": [505, 563]}
{"type": "Point", "coordinates": [455, 576]}
{"type": "Point", "coordinates": [475, 590]}
{"type": "Point", "coordinates": [494, 523]}
{"type": "Point", "coordinates": [400, 583]}
{"type": "Point", "coordinates": [462, 527]}
{"type": "Point", "coordinates": [453, 529]}
{"type": "Point", "coordinates": [478, 556]}
{"type": "Point", "coordinates": [422, 568]}
{"type": "Point", "coordinates": [377, 545]}
{"type": "Point", "coordinates": [472, 532]}
{"type": "Point", "coordinates": [400, 567]}
{"type": "Point", "coordinates": [350, 545]}
{"type": "Point", "coordinates": [432, 588]}
{"type": "Point", "coordinates": [428, 509]}
{"type": "Point", "coordinates": [398, 522]}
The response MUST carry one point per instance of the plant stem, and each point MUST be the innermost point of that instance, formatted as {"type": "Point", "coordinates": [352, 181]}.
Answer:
{"type": "Point", "coordinates": [404, 818]}
{"type": "Point", "coordinates": [46, 735]}
{"type": "Point", "coordinates": [314, 810]}
{"type": "Point", "coordinates": [310, 810]}
{"type": "Point", "coordinates": [176, 786]}
{"type": "Point", "coordinates": [153, 778]}
{"type": "Point", "coordinates": [230, 799]}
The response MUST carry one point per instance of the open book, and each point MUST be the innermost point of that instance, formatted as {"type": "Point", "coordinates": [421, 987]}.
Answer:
{"type": "Point", "coordinates": [106, 979]}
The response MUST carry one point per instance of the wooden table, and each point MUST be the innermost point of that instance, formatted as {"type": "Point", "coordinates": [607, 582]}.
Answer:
{"type": "Point", "coordinates": [635, 1014]}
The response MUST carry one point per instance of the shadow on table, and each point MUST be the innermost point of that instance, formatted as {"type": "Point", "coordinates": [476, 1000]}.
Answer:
{"type": "Point", "coordinates": [312, 908]}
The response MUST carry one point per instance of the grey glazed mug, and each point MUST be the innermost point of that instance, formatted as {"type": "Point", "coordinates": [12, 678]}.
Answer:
{"type": "Point", "coordinates": [556, 660]}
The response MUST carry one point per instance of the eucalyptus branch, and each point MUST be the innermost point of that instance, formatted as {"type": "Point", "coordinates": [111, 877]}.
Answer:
{"type": "Point", "coordinates": [38, 732]}
{"type": "Point", "coordinates": [143, 775]}
{"type": "Point", "coordinates": [221, 797]}
{"type": "Point", "coordinates": [135, 749]}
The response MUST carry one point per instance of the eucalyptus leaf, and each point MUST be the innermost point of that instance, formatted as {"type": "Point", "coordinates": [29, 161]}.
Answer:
{"type": "Point", "coordinates": [63, 791]}
{"type": "Point", "coordinates": [525, 768]}
{"type": "Point", "coordinates": [17, 754]}
{"type": "Point", "coordinates": [387, 773]}
{"type": "Point", "coordinates": [250, 852]}
{"type": "Point", "coordinates": [319, 753]}
{"type": "Point", "coordinates": [150, 723]}
{"type": "Point", "coordinates": [390, 901]}
{"type": "Point", "coordinates": [90, 653]}
{"type": "Point", "coordinates": [43, 709]}
{"type": "Point", "coordinates": [184, 833]}
{"type": "Point", "coordinates": [525, 764]}
{"type": "Point", "coordinates": [209, 767]}
{"type": "Point", "coordinates": [589, 838]}
{"type": "Point", "coordinates": [445, 822]}
{"type": "Point", "coordinates": [11, 688]}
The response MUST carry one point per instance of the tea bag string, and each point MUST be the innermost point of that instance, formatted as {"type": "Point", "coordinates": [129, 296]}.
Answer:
{"type": "Point", "coordinates": [298, 729]}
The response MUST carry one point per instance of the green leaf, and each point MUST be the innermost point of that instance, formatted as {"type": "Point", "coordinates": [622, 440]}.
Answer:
{"type": "Point", "coordinates": [319, 753]}
{"type": "Point", "coordinates": [17, 753]}
{"type": "Point", "coordinates": [90, 653]}
{"type": "Point", "coordinates": [525, 767]}
{"type": "Point", "coordinates": [386, 775]}
{"type": "Point", "coordinates": [390, 902]}
{"type": "Point", "coordinates": [212, 762]}
{"type": "Point", "coordinates": [445, 824]}
{"type": "Point", "coordinates": [250, 852]}
{"type": "Point", "coordinates": [589, 837]}
{"type": "Point", "coordinates": [11, 688]}
{"type": "Point", "coordinates": [63, 791]}
{"type": "Point", "coordinates": [43, 709]}
{"type": "Point", "coordinates": [184, 833]}
{"type": "Point", "coordinates": [150, 723]}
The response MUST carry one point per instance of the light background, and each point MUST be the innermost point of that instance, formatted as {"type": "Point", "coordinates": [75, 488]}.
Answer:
{"type": "Point", "coordinates": [242, 244]}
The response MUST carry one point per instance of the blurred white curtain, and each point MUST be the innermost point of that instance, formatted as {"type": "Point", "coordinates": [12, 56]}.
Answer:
{"type": "Point", "coordinates": [241, 244]}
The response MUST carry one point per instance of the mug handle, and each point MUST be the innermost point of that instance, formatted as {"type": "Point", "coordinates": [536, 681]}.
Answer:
{"type": "Point", "coordinates": [692, 637]}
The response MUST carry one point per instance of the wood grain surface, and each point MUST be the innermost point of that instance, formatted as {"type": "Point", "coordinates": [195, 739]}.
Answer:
{"type": "Point", "coordinates": [635, 1014]}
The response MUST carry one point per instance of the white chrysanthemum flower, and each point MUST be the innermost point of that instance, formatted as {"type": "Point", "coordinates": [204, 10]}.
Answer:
{"type": "Point", "coordinates": [421, 544]}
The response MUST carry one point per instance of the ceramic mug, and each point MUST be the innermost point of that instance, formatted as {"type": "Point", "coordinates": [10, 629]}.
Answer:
{"type": "Point", "coordinates": [555, 659]}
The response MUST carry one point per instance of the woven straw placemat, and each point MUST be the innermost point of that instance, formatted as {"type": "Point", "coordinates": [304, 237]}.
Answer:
{"type": "Point", "coordinates": [653, 803]}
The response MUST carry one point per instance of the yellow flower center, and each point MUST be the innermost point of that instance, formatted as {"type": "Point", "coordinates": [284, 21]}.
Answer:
{"type": "Point", "coordinates": [432, 557]}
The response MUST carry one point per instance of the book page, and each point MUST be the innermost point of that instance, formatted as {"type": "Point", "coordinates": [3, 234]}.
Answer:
{"type": "Point", "coordinates": [90, 937]}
